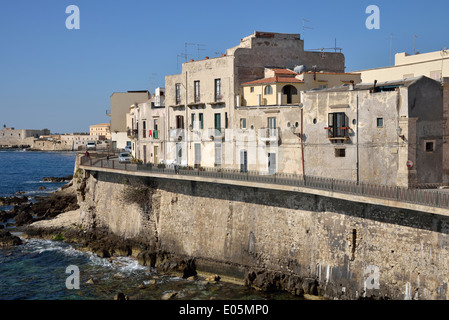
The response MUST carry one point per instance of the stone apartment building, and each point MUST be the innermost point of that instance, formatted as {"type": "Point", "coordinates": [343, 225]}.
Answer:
{"type": "Point", "coordinates": [120, 103]}
{"type": "Point", "coordinates": [147, 133]}
{"type": "Point", "coordinates": [434, 65]}
{"type": "Point", "coordinates": [101, 130]}
{"type": "Point", "coordinates": [269, 120]}
{"type": "Point", "coordinates": [201, 101]}
{"type": "Point", "coordinates": [388, 133]}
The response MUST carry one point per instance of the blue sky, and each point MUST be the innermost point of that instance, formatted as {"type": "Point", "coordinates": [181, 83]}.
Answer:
{"type": "Point", "coordinates": [52, 77]}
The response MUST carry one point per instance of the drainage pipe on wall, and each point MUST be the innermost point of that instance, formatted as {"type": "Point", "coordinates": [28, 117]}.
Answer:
{"type": "Point", "coordinates": [302, 144]}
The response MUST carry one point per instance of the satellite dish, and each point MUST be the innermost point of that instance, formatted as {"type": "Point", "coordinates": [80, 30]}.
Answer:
{"type": "Point", "coordinates": [299, 69]}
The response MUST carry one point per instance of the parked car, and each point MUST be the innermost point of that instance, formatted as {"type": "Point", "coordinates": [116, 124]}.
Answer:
{"type": "Point", "coordinates": [124, 157]}
{"type": "Point", "coordinates": [91, 145]}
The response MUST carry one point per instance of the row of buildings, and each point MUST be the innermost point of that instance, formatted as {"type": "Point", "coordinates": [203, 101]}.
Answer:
{"type": "Point", "coordinates": [267, 105]}
{"type": "Point", "coordinates": [45, 140]}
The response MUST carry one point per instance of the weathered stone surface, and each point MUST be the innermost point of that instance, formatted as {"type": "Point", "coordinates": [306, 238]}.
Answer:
{"type": "Point", "coordinates": [58, 179]}
{"type": "Point", "coordinates": [7, 201]}
{"type": "Point", "coordinates": [298, 242]}
{"type": "Point", "coordinates": [7, 239]}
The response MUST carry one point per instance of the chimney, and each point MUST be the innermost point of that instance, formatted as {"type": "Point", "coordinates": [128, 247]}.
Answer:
{"type": "Point", "coordinates": [351, 86]}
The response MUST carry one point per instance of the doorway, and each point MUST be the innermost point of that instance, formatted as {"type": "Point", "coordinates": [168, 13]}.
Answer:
{"type": "Point", "coordinates": [156, 155]}
{"type": "Point", "coordinates": [197, 155]}
{"type": "Point", "coordinates": [243, 161]}
{"type": "Point", "coordinates": [272, 163]}
{"type": "Point", "coordinates": [289, 91]}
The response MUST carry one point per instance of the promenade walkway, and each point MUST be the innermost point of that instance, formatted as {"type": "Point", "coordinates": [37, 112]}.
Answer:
{"type": "Point", "coordinates": [428, 200]}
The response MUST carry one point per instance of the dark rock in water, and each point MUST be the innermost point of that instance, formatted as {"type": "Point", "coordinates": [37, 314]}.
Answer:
{"type": "Point", "coordinates": [8, 201]}
{"type": "Point", "coordinates": [120, 296]}
{"type": "Point", "coordinates": [5, 216]}
{"type": "Point", "coordinates": [185, 266]}
{"type": "Point", "coordinates": [58, 179]}
{"type": "Point", "coordinates": [146, 258]}
{"type": "Point", "coordinates": [45, 207]}
{"type": "Point", "coordinates": [42, 188]}
{"type": "Point", "coordinates": [7, 239]}
{"type": "Point", "coordinates": [23, 218]}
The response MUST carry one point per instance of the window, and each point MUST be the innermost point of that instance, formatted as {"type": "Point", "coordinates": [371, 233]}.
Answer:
{"type": "Point", "coordinates": [178, 93]}
{"type": "Point", "coordinates": [268, 90]}
{"type": "Point", "coordinates": [179, 122]}
{"type": "Point", "coordinates": [380, 122]}
{"type": "Point", "coordinates": [340, 153]}
{"type": "Point", "coordinates": [226, 120]}
{"type": "Point", "coordinates": [429, 146]}
{"type": "Point", "coordinates": [196, 89]}
{"type": "Point", "coordinates": [201, 121]}
{"type": "Point", "coordinates": [243, 123]}
{"type": "Point", "coordinates": [435, 75]}
{"type": "Point", "coordinates": [144, 127]}
{"type": "Point", "coordinates": [156, 130]}
{"type": "Point", "coordinates": [337, 125]}
{"type": "Point", "coordinates": [272, 126]}
{"type": "Point", "coordinates": [218, 154]}
{"type": "Point", "coordinates": [192, 122]}
{"type": "Point", "coordinates": [217, 90]}
{"type": "Point", "coordinates": [251, 89]}
{"type": "Point", "coordinates": [217, 122]}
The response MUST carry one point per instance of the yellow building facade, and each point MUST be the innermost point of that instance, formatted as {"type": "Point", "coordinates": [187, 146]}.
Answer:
{"type": "Point", "coordinates": [284, 86]}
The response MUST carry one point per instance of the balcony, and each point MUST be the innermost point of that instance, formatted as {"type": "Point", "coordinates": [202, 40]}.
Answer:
{"type": "Point", "coordinates": [217, 101]}
{"type": "Point", "coordinates": [216, 133]}
{"type": "Point", "coordinates": [132, 134]}
{"type": "Point", "coordinates": [269, 134]}
{"type": "Point", "coordinates": [338, 133]}
{"type": "Point", "coordinates": [177, 134]}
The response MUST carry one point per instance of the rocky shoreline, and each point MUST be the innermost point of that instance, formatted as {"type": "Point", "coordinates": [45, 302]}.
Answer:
{"type": "Point", "coordinates": [26, 211]}
{"type": "Point", "coordinates": [58, 217]}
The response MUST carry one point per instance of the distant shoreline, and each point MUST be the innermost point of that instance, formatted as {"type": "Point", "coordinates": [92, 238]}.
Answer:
{"type": "Point", "coordinates": [34, 150]}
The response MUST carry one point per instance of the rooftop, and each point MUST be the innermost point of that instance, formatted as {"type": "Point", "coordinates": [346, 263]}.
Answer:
{"type": "Point", "coordinates": [382, 86]}
{"type": "Point", "coordinates": [276, 79]}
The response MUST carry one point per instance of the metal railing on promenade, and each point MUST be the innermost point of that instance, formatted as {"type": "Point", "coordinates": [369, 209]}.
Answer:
{"type": "Point", "coordinates": [427, 197]}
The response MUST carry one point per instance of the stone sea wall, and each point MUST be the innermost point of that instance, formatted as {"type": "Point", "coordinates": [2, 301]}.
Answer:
{"type": "Point", "coordinates": [274, 240]}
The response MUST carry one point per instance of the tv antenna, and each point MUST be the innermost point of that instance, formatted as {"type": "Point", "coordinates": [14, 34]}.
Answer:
{"type": "Point", "coordinates": [391, 46]}
{"type": "Point", "coordinates": [152, 82]}
{"type": "Point", "coordinates": [181, 55]}
{"type": "Point", "coordinates": [414, 38]}
{"type": "Point", "coordinates": [334, 48]}
{"type": "Point", "coordinates": [198, 48]}
{"type": "Point", "coordinates": [304, 27]}
{"type": "Point", "coordinates": [188, 44]}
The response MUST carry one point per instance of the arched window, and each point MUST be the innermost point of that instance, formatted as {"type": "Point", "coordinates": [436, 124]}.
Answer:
{"type": "Point", "coordinates": [268, 90]}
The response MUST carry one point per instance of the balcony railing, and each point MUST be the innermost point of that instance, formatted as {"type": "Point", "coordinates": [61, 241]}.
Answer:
{"type": "Point", "coordinates": [215, 133]}
{"type": "Point", "coordinates": [269, 134]}
{"type": "Point", "coordinates": [338, 133]}
{"type": "Point", "coordinates": [132, 134]}
{"type": "Point", "coordinates": [177, 134]}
